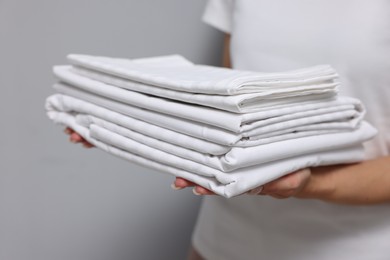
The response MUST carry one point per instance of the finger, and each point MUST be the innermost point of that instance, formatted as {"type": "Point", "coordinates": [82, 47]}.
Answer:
{"type": "Point", "coordinates": [174, 187]}
{"type": "Point", "coordinates": [282, 194]}
{"type": "Point", "coordinates": [278, 196]}
{"type": "Point", "coordinates": [76, 138]}
{"type": "Point", "coordinates": [277, 185]}
{"type": "Point", "coordinates": [181, 183]}
{"type": "Point", "coordinates": [199, 190]}
{"type": "Point", "coordinates": [256, 191]}
{"type": "Point", "coordinates": [68, 131]}
{"type": "Point", "coordinates": [287, 183]}
{"type": "Point", "coordinates": [87, 145]}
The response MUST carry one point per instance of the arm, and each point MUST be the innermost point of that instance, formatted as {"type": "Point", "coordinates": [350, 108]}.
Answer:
{"type": "Point", "coordinates": [361, 184]}
{"type": "Point", "coordinates": [356, 184]}
{"type": "Point", "coordinates": [226, 60]}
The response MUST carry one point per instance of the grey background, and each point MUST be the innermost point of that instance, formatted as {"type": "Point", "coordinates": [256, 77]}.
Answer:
{"type": "Point", "coordinates": [58, 200]}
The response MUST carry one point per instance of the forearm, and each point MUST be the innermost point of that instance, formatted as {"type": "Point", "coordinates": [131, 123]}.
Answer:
{"type": "Point", "coordinates": [226, 60]}
{"type": "Point", "coordinates": [360, 184]}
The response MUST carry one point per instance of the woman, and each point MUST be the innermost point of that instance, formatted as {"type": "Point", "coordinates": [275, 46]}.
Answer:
{"type": "Point", "coordinates": [348, 215]}
{"type": "Point", "coordinates": [274, 35]}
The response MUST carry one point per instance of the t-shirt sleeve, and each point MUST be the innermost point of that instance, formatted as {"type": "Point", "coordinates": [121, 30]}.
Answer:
{"type": "Point", "coordinates": [219, 14]}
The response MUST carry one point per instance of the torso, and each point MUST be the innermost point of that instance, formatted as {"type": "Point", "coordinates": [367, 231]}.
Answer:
{"type": "Point", "coordinates": [274, 35]}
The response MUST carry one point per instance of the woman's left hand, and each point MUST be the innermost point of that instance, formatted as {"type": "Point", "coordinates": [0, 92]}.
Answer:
{"type": "Point", "coordinates": [290, 185]}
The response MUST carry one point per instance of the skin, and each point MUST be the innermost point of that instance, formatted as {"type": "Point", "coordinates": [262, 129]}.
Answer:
{"type": "Point", "coordinates": [363, 183]}
{"type": "Point", "coordinates": [76, 138]}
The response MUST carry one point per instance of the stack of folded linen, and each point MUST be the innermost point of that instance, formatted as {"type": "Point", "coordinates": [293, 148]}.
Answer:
{"type": "Point", "coordinates": [227, 130]}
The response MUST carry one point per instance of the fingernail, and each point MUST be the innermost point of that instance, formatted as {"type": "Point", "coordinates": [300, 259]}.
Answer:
{"type": "Point", "coordinates": [256, 191]}
{"type": "Point", "coordinates": [173, 186]}
{"type": "Point", "coordinates": [67, 131]}
{"type": "Point", "coordinates": [195, 192]}
{"type": "Point", "coordinates": [260, 189]}
{"type": "Point", "coordinates": [73, 141]}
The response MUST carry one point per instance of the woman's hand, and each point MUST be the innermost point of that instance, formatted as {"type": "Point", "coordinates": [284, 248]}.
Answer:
{"type": "Point", "coordinates": [363, 183]}
{"type": "Point", "coordinates": [76, 138]}
{"type": "Point", "coordinates": [287, 186]}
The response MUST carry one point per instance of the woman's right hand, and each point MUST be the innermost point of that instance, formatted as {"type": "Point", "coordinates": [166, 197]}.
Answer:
{"type": "Point", "coordinates": [74, 137]}
{"type": "Point", "coordinates": [290, 185]}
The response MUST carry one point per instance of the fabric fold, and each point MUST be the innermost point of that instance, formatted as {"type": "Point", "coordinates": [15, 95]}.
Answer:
{"type": "Point", "coordinates": [201, 131]}
{"type": "Point", "coordinates": [236, 123]}
{"type": "Point", "coordinates": [241, 103]}
{"type": "Point", "coordinates": [224, 184]}
{"type": "Point", "coordinates": [235, 158]}
{"type": "Point", "coordinates": [204, 79]}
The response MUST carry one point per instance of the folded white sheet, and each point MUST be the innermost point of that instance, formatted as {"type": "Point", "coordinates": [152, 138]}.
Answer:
{"type": "Point", "coordinates": [69, 104]}
{"type": "Point", "coordinates": [225, 184]}
{"type": "Point", "coordinates": [227, 120]}
{"type": "Point", "coordinates": [58, 103]}
{"type": "Point", "coordinates": [242, 103]}
{"type": "Point", "coordinates": [225, 137]}
{"type": "Point", "coordinates": [237, 158]}
{"type": "Point", "coordinates": [181, 75]}
{"type": "Point", "coordinates": [89, 116]}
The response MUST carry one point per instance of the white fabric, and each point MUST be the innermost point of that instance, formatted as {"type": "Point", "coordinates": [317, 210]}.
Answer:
{"type": "Point", "coordinates": [220, 14]}
{"type": "Point", "coordinates": [234, 158]}
{"type": "Point", "coordinates": [238, 123]}
{"type": "Point", "coordinates": [221, 136]}
{"type": "Point", "coordinates": [274, 35]}
{"type": "Point", "coordinates": [68, 104]}
{"type": "Point", "coordinates": [242, 103]}
{"type": "Point", "coordinates": [207, 79]}
{"type": "Point", "coordinates": [345, 148]}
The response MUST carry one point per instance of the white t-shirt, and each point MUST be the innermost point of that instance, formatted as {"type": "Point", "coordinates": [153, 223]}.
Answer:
{"type": "Point", "coordinates": [274, 35]}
